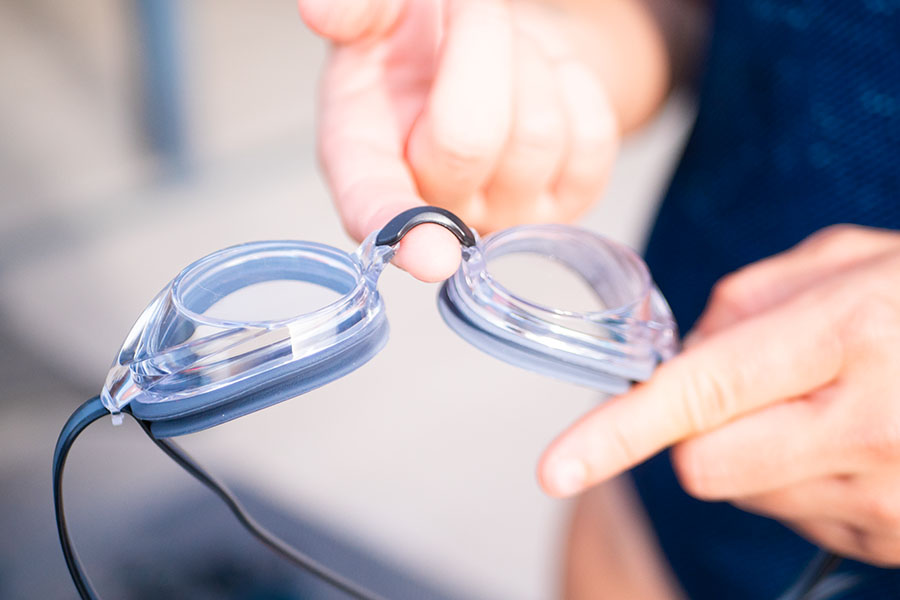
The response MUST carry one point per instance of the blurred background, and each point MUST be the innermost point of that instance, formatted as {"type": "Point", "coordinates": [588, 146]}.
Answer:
{"type": "Point", "coordinates": [139, 136]}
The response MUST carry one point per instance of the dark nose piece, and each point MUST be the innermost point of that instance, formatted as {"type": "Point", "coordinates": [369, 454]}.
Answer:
{"type": "Point", "coordinates": [400, 225]}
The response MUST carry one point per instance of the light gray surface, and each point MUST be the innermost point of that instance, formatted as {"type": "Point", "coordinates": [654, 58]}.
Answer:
{"type": "Point", "coordinates": [426, 456]}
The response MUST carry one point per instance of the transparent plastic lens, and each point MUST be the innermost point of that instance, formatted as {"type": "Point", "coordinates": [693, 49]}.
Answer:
{"type": "Point", "coordinates": [544, 281]}
{"type": "Point", "coordinates": [606, 348]}
{"type": "Point", "coordinates": [255, 324]}
{"type": "Point", "coordinates": [187, 344]}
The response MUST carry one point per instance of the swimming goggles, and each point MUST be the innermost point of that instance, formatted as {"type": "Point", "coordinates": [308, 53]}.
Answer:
{"type": "Point", "coordinates": [187, 366]}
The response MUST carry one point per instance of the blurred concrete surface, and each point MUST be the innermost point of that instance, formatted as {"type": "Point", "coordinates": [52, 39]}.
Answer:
{"type": "Point", "coordinates": [423, 460]}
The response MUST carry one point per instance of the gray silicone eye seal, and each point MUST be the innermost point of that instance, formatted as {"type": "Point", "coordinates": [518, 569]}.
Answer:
{"type": "Point", "coordinates": [280, 384]}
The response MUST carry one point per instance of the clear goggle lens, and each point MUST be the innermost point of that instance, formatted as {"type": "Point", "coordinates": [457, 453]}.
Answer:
{"type": "Point", "coordinates": [233, 332]}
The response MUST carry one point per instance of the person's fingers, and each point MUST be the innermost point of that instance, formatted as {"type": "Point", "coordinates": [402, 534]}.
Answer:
{"type": "Point", "coordinates": [850, 541]}
{"type": "Point", "coordinates": [428, 252]}
{"type": "Point", "coordinates": [728, 375]}
{"type": "Point", "coordinates": [345, 21]}
{"type": "Point", "coordinates": [766, 283]}
{"type": "Point", "coordinates": [518, 191]}
{"type": "Point", "coordinates": [823, 498]}
{"type": "Point", "coordinates": [870, 502]}
{"type": "Point", "coordinates": [361, 152]}
{"type": "Point", "coordinates": [831, 534]}
{"type": "Point", "coordinates": [593, 140]}
{"type": "Point", "coordinates": [592, 128]}
{"type": "Point", "coordinates": [774, 447]}
{"type": "Point", "coordinates": [456, 141]}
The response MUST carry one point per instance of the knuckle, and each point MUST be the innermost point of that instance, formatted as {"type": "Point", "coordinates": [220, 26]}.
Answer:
{"type": "Point", "coordinates": [729, 294]}
{"type": "Point", "coordinates": [870, 319]}
{"type": "Point", "coordinates": [623, 443]}
{"type": "Point", "coordinates": [596, 143]}
{"type": "Point", "coordinates": [594, 121]}
{"type": "Point", "coordinates": [884, 511]}
{"type": "Point", "coordinates": [841, 232]}
{"type": "Point", "coordinates": [459, 148]}
{"type": "Point", "coordinates": [707, 399]}
{"type": "Point", "coordinates": [831, 242]}
{"type": "Point", "coordinates": [538, 133]}
{"type": "Point", "coordinates": [880, 444]}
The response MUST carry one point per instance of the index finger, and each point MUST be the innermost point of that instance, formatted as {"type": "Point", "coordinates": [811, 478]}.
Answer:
{"type": "Point", "coordinates": [361, 150]}
{"type": "Point", "coordinates": [783, 353]}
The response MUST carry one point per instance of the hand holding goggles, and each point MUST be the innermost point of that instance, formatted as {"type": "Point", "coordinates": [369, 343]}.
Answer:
{"type": "Point", "coordinates": [183, 368]}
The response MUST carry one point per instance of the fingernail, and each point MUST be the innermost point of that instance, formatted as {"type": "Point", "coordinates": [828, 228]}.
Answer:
{"type": "Point", "coordinates": [568, 476]}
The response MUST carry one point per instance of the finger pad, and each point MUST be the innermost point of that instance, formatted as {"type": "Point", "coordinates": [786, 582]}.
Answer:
{"type": "Point", "coordinates": [430, 253]}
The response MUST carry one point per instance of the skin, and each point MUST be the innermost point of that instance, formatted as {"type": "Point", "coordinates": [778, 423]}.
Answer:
{"type": "Point", "coordinates": [785, 401]}
{"type": "Point", "coordinates": [503, 112]}
{"type": "Point", "coordinates": [611, 550]}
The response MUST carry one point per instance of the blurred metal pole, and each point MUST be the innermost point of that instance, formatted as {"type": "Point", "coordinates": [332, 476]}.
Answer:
{"type": "Point", "coordinates": [163, 93]}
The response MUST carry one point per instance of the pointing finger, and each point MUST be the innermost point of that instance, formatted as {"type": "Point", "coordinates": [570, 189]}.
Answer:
{"type": "Point", "coordinates": [781, 354]}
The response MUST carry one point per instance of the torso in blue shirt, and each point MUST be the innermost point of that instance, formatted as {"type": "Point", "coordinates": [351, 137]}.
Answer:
{"type": "Point", "coordinates": [798, 129]}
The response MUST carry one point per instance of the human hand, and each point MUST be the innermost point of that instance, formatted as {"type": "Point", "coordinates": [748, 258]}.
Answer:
{"type": "Point", "coordinates": [481, 107]}
{"type": "Point", "coordinates": [785, 402]}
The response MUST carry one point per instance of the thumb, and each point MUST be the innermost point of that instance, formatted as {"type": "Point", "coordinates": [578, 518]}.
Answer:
{"type": "Point", "coordinates": [765, 284]}
{"type": "Point", "coordinates": [345, 21]}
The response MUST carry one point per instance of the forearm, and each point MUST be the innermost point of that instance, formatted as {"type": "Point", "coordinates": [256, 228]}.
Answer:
{"type": "Point", "coordinates": [638, 48]}
{"type": "Point", "coordinates": [611, 551]}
